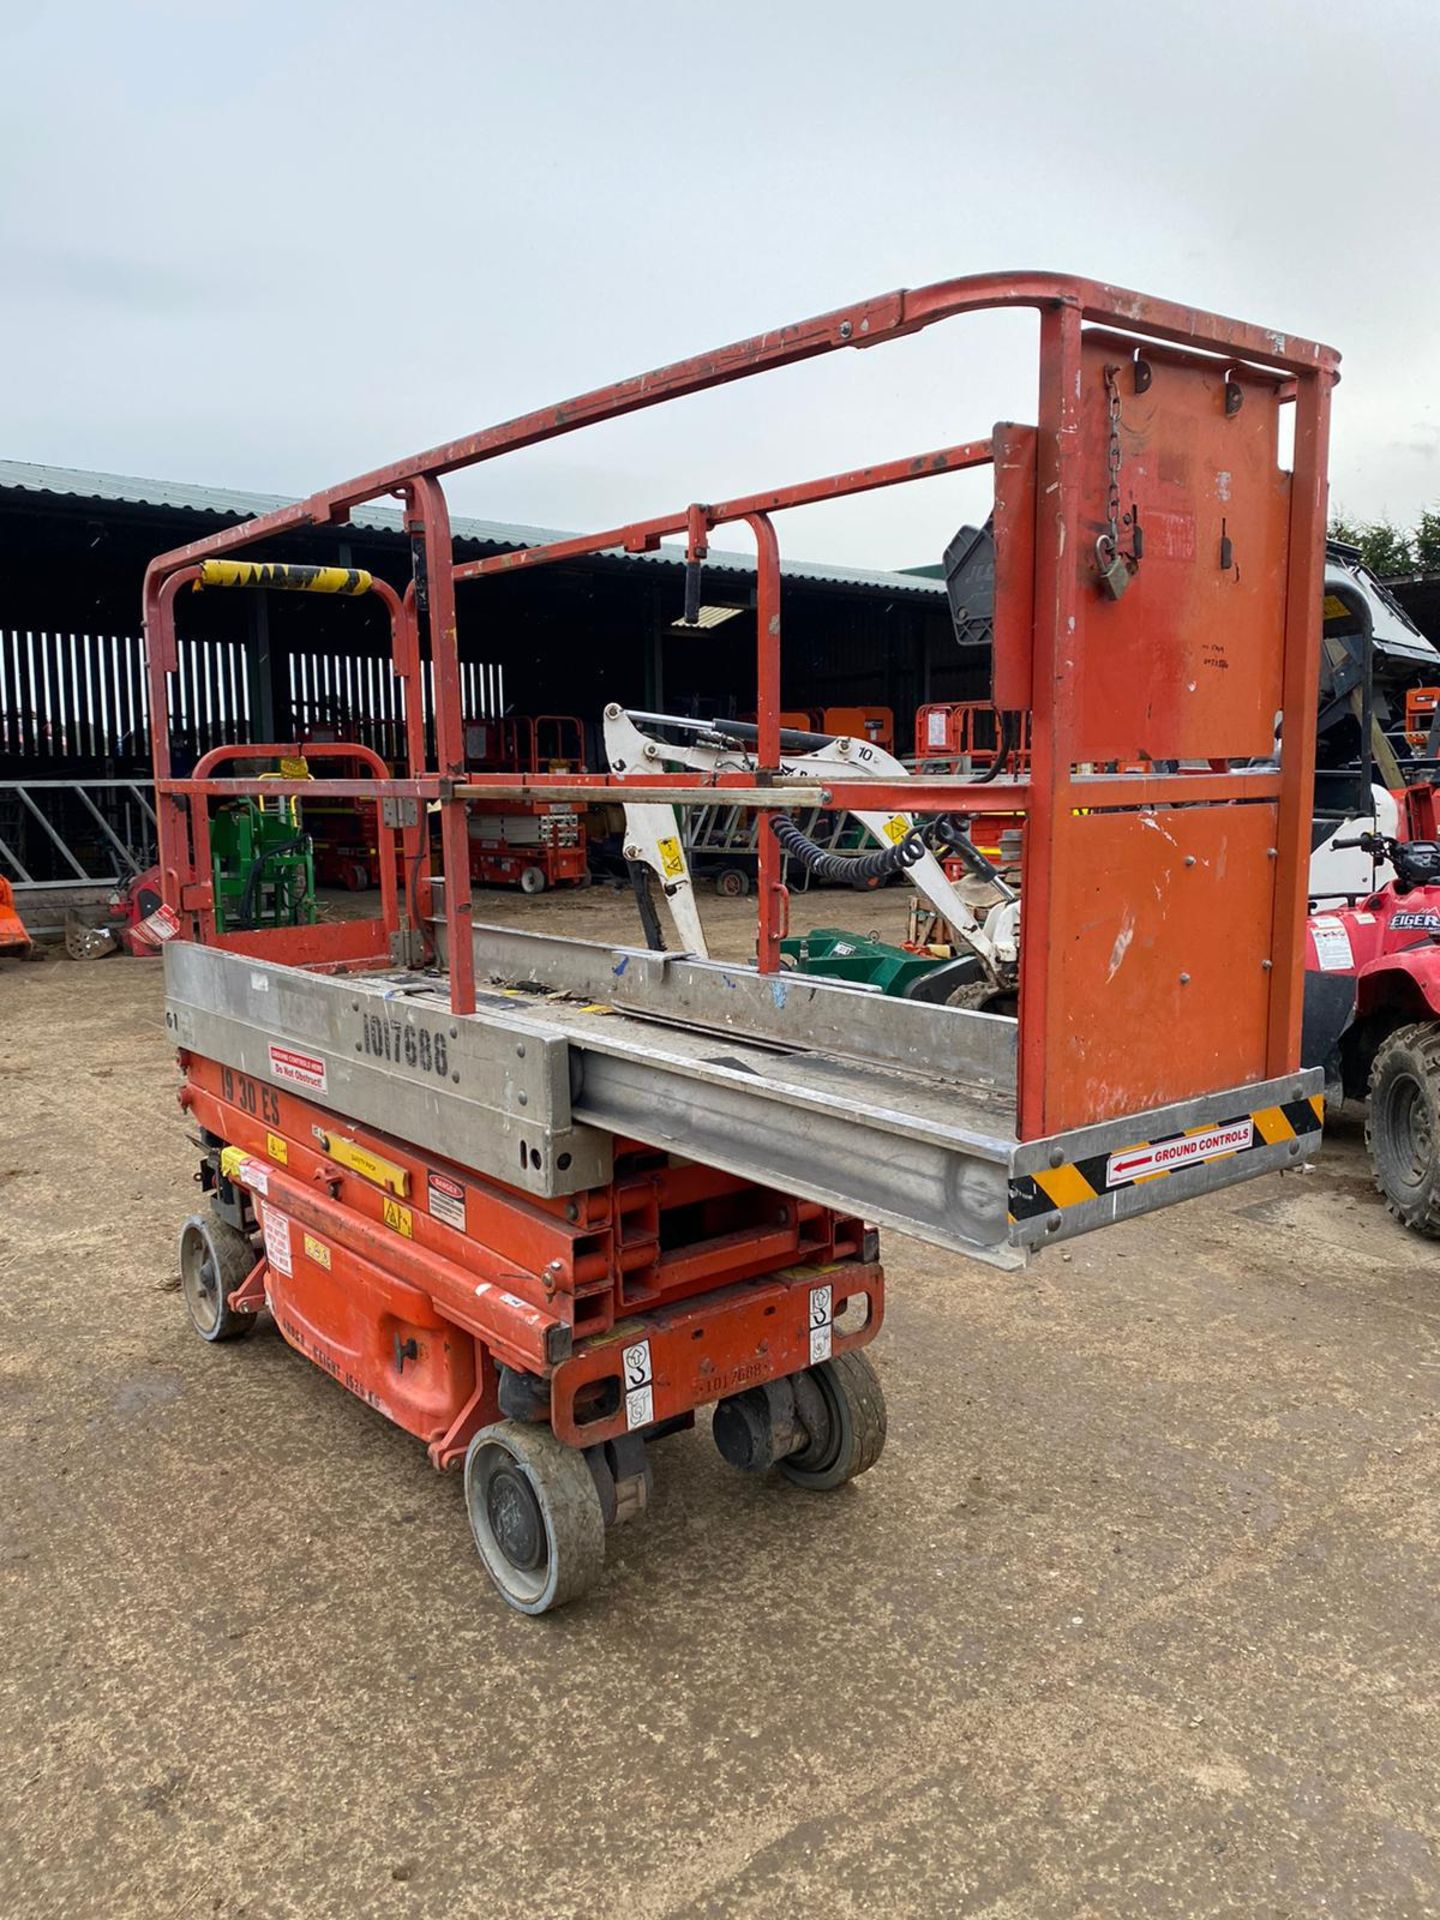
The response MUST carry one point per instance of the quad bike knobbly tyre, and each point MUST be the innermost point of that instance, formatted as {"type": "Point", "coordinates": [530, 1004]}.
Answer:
{"type": "Point", "coordinates": [215, 1259]}
{"type": "Point", "coordinates": [1402, 1125]}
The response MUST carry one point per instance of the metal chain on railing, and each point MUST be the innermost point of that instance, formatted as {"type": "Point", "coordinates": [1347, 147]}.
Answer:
{"type": "Point", "coordinates": [1115, 570]}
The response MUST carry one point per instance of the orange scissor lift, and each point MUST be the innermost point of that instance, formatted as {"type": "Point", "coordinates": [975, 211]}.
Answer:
{"type": "Point", "coordinates": [538, 1199]}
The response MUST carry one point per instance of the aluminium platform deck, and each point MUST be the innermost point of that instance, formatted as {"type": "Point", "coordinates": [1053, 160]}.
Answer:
{"type": "Point", "coordinates": [901, 1113]}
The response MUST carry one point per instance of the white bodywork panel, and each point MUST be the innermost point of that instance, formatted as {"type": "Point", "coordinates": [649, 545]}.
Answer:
{"type": "Point", "coordinates": [1337, 876]}
{"type": "Point", "coordinates": [633, 753]}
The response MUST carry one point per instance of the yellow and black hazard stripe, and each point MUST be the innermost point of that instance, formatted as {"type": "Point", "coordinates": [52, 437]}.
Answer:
{"type": "Point", "coordinates": [1079, 1181]}
{"type": "Point", "coordinates": [284, 578]}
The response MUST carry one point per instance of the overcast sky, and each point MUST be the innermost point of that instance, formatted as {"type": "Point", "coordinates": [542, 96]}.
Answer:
{"type": "Point", "coordinates": [271, 245]}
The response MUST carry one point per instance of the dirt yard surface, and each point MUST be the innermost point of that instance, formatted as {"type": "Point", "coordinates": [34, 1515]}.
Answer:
{"type": "Point", "coordinates": [1137, 1616]}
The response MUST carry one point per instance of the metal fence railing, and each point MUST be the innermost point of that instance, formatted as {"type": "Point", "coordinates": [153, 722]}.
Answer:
{"type": "Point", "coordinates": [75, 833]}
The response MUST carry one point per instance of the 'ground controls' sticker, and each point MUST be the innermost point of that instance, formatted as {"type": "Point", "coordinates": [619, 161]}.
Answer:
{"type": "Point", "coordinates": [1164, 1156]}
{"type": "Point", "coordinates": [639, 1385]}
{"type": "Point", "coordinates": [300, 1069]}
{"type": "Point", "coordinates": [821, 1333]}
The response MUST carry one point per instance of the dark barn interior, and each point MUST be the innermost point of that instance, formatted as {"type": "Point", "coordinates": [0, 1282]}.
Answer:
{"type": "Point", "coordinates": [565, 638]}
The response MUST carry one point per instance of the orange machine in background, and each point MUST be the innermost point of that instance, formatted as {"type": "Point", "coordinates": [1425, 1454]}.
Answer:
{"type": "Point", "coordinates": [875, 724]}
{"type": "Point", "coordinates": [532, 844]}
{"type": "Point", "coordinates": [13, 937]}
{"type": "Point", "coordinates": [969, 737]}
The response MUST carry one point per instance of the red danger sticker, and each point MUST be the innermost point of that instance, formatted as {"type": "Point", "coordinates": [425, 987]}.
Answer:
{"type": "Point", "coordinates": [1164, 1156]}
{"type": "Point", "coordinates": [447, 1199]}
{"type": "Point", "coordinates": [300, 1069]}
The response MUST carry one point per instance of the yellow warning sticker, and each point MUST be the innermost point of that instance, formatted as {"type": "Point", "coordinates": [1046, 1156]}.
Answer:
{"type": "Point", "coordinates": [672, 860]}
{"type": "Point", "coordinates": [277, 1149]}
{"type": "Point", "coordinates": [896, 828]}
{"type": "Point", "coordinates": [1335, 608]}
{"type": "Point", "coordinates": [317, 1251]}
{"type": "Point", "coordinates": [399, 1218]}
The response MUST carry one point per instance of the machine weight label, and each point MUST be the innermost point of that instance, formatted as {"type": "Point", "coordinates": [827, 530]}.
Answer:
{"type": "Point", "coordinates": [403, 1044]}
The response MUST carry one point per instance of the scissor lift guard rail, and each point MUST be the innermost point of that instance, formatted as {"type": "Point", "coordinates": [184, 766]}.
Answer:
{"type": "Point", "coordinates": [537, 1199]}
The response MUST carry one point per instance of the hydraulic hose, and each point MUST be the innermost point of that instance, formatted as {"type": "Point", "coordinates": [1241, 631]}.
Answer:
{"type": "Point", "coordinates": [257, 867]}
{"type": "Point", "coordinates": [849, 869]}
{"type": "Point", "coordinates": [998, 765]}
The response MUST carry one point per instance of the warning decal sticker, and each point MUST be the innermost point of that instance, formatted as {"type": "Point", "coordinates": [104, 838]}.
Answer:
{"type": "Point", "coordinates": [1164, 1156]}
{"type": "Point", "coordinates": [447, 1200]}
{"type": "Point", "coordinates": [1076, 1183]}
{"type": "Point", "coordinates": [300, 1069]}
{"type": "Point", "coordinates": [821, 1327]}
{"type": "Point", "coordinates": [399, 1219]}
{"type": "Point", "coordinates": [1332, 945]}
{"type": "Point", "coordinates": [162, 924]}
{"type": "Point", "coordinates": [277, 1239]}
{"type": "Point", "coordinates": [639, 1385]}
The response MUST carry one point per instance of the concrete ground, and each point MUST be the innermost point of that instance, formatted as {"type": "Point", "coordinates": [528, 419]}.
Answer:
{"type": "Point", "coordinates": [1137, 1616]}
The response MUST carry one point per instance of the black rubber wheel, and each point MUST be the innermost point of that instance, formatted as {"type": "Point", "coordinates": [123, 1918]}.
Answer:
{"type": "Point", "coordinates": [732, 883]}
{"type": "Point", "coordinates": [215, 1258]}
{"type": "Point", "coordinates": [1402, 1126]}
{"type": "Point", "coordinates": [536, 1515]}
{"type": "Point", "coordinates": [532, 880]}
{"type": "Point", "coordinates": [848, 1436]}
{"type": "Point", "coordinates": [980, 997]}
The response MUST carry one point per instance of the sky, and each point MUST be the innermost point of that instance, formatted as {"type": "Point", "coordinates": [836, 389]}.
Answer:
{"type": "Point", "coordinates": [270, 246]}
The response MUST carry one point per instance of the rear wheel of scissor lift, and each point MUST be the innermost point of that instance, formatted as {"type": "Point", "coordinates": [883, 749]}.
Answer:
{"type": "Point", "coordinates": [215, 1259]}
{"type": "Point", "coordinates": [536, 1515]}
{"type": "Point", "coordinates": [842, 1407]}
{"type": "Point", "coordinates": [532, 880]}
{"type": "Point", "coordinates": [821, 1427]}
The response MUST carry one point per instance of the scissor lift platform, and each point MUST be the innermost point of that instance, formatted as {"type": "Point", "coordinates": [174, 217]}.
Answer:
{"type": "Point", "coordinates": [538, 1200]}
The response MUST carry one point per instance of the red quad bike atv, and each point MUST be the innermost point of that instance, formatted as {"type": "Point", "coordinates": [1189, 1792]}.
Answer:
{"type": "Point", "coordinates": [1372, 1020]}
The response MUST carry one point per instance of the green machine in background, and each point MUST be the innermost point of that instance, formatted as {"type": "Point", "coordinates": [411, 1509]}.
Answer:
{"type": "Point", "coordinates": [263, 867]}
{"type": "Point", "coordinates": [833, 954]}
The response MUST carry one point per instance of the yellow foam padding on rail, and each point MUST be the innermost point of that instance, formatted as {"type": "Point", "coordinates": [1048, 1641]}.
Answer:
{"type": "Point", "coordinates": [285, 579]}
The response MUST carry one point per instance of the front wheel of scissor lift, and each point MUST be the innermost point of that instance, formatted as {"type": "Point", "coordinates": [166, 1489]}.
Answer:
{"type": "Point", "coordinates": [215, 1259]}
{"type": "Point", "coordinates": [536, 1515]}
{"type": "Point", "coordinates": [842, 1407]}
